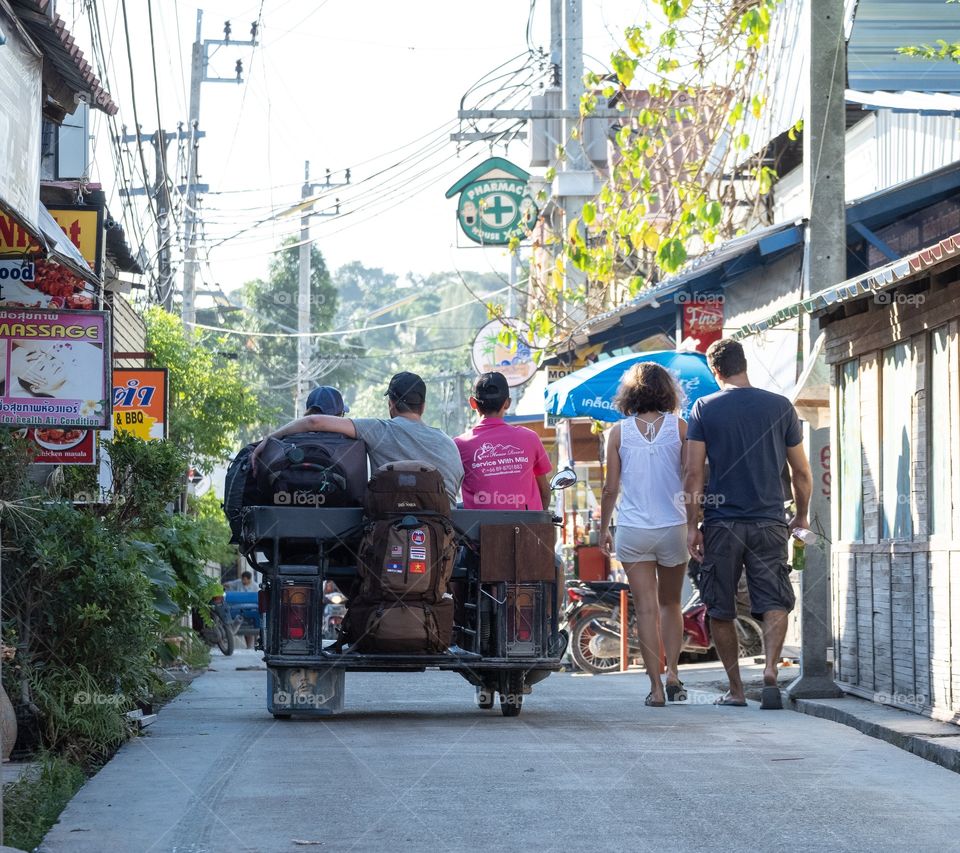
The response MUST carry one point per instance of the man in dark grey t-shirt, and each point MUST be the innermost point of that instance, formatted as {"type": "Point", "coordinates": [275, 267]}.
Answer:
{"type": "Point", "coordinates": [747, 435]}
{"type": "Point", "coordinates": [402, 437]}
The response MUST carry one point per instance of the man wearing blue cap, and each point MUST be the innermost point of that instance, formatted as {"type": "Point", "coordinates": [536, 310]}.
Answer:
{"type": "Point", "coordinates": [326, 400]}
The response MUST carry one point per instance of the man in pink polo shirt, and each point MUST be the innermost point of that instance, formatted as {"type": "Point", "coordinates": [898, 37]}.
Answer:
{"type": "Point", "coordinates": [505, 466]}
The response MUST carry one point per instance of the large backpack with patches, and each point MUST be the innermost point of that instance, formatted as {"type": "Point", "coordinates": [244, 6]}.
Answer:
{"type": "Point", "coordinates": [404, 563]}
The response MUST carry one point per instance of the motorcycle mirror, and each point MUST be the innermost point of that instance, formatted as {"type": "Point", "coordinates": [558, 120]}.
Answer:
{"type": "Point", "coordinates": [563, 479]}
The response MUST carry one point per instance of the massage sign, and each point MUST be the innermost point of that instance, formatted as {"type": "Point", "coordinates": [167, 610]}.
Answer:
{"type": "Point", "coordinates": [495, 205]}
{"type": "Point", "coordinates": [53, 370]}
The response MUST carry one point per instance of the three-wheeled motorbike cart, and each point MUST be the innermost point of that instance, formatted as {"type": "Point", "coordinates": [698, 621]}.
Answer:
{"type": "Point", "coordinates": [506, 585]}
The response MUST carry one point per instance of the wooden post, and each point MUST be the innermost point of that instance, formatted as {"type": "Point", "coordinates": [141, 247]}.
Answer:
{"type": "Point", "coordinates": [624, 628]}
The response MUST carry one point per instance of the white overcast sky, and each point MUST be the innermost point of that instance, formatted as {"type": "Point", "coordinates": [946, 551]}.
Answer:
{"type": "Point", "coordinates": [340, 83]}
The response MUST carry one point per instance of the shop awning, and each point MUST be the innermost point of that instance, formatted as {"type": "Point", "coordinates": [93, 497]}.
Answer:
{"type": "Point", "coordinates": [61, 250]}
{"type": "Point", "coordinates": [876, 280]}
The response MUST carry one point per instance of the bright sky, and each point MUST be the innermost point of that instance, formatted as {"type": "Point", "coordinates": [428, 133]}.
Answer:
{"type": "Point", "coordinates": [359, 84]}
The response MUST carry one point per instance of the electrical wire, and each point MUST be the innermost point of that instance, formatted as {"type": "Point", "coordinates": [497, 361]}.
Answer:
{"type": "Point", "coordinates": [339, 332]}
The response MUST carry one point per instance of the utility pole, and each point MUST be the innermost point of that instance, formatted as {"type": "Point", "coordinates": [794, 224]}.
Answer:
{"type": "Point", "coordinates": [198, 74]}
{"type": "Point", "coordinates": [824, 264]}
{"type": "Point", "coordinates": [575, 182]}
{"type": "Point", "coordinates": [161, 194]}
{"type": "Point", "coordinates": [304, 345]}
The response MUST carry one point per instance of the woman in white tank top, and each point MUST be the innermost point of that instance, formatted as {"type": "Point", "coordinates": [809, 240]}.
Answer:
{"type": "Point", "coordinates": [645, 453]}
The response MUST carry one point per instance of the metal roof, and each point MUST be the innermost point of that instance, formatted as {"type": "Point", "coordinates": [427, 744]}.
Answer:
{"type": "Point", "coordinates": [876, 280]}
{"type": "Point", "coordinates": [766, 241]}
{"type": "Point", "coordinates": [882, 26]}
{"type": "Point", "coordinates": [919, 103]}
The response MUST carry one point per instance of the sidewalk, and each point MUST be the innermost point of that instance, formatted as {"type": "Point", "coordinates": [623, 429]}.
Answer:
{"type": "Point", "coordinates": [931, 740]}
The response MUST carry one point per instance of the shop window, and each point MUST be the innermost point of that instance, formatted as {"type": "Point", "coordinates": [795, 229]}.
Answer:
{"type": "Point", "coordinates": [898, 384]}
{"type": "Point", "coordinates": [938, 430]}
{"type": "Point", "coordinates": [851, 457]}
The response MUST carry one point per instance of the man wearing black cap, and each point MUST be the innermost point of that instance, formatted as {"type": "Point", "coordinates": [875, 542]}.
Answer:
{"type": "Point", "coordinates": [505, 466]}
{"type": "Point", "coordinates": [403, 437]}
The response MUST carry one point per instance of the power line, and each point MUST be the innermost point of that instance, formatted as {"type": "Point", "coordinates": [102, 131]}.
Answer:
{"type": "Point", "coordinates": [338, 333]}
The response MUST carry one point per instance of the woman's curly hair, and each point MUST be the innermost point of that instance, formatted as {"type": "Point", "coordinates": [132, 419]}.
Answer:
{"type": "Point", "coordinates": [647, 387]}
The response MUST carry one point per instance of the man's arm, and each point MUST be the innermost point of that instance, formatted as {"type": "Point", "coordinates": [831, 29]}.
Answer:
{"type": "Point", "coordinates": [802, 479]}
{"type": "Point", "coordinates": [611, 489]}
{"type": "Point", "coordinates": [308, 423]}
{"type": "Point", "coordinates": [543, 484]}
{"type": "Point", "coordinates": [696, 457]}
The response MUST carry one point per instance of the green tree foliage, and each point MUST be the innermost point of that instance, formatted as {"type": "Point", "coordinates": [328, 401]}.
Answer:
{"type": "Point", "coordinates": [428, 330]}
{"type": "Point", "coordinates": [690, 81]}
{"type": "Point", "coordinates": [268, 365]}
{"type": "Point", "coordinates": [210, 399]}
{"type": "Point", "coordinates": [941, 49]}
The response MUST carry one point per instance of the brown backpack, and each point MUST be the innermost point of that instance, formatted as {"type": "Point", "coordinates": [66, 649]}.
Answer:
{"type": "Point", "coordinates": [406, 558]}
{"type": "Point", "coordinates": [404, 488]}
{"type": "Point", "coordinates": [414, 627]}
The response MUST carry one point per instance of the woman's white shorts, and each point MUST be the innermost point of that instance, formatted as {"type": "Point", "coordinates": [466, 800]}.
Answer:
{"type": "Point", "coordinates": [666, 545]}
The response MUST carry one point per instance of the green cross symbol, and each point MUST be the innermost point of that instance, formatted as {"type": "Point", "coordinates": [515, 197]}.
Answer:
{"type": "Point", "coordinates": [498, 210]}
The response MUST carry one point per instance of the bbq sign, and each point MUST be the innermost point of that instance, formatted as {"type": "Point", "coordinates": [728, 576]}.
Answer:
{"type": "Point", "coordinates": [495, 205]}
{"type": "Point", "coordinates": [140, 402]}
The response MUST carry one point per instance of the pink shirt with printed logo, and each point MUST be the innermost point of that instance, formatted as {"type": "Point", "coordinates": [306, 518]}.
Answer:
{"type": "Point", "coordinates": [501, 463]}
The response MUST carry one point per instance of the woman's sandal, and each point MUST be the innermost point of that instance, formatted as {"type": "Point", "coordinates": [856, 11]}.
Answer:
{"type": "Point", "coordinates": [676, 692]}
{"type": "Point", "coordinates": [653, 703]}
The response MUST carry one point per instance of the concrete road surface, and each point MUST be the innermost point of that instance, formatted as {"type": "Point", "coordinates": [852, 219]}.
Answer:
{"type": "Point", "coordinates": [412, 765]}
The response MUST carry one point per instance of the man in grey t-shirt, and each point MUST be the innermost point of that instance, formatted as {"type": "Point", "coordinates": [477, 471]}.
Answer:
{"type": "Point", "coordinates": [402, 438]}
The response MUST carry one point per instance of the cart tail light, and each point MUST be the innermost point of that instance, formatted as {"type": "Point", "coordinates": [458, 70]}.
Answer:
{"type": "Point", "coordinates": [295, 612]}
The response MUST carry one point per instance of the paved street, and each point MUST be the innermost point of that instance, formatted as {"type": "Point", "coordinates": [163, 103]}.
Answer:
{"type": "Point", "coordinates": [412, 765]}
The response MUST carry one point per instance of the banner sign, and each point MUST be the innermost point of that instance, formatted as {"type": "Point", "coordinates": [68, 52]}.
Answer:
{"type": "Point", "coordinates": [54, 368]}
{"type": "Point", "coordinates": [514, 362]}
{"type": "Point", "coordinates": [140, 401]}
{"type": "Point", "coordinates": [495, 205]}
{"type": "Point", "coordinates": [63, 446]}
{"type": "Point", "coordinates": [703, 319]}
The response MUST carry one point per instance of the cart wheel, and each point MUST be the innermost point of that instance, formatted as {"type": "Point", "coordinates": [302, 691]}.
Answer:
{"type": "Point", "coordinates": [511, 702]}
{"type": "Point", "coordinates": [281, 716]}
{"type": "Point", "coordinates": [485, 698]}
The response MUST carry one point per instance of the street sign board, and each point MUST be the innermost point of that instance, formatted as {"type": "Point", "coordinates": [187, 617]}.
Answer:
{"type": "Point", "coordinates": [495, 204]}
{"type": "Point", "coordinates": [515, 361]}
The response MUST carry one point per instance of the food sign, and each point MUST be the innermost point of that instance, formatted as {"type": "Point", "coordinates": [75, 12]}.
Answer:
{"type": "Point", "coordinates": [53, 368]}
{"type": "Point", "coordinates": [140, 402]}
{"type": "Point", "coordinates": [62, 446]}
{"type": "Point", "coordinates": [31, 281]}
{"type": "Point", "coordinates": [514, 360]}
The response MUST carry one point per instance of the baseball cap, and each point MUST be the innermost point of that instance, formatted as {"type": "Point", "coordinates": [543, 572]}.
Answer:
{"type": "Point", "coordinates": [491, 387]}
{"type": "Point", "coordinates": [407, 387]}
{"type": "Point", "coordinates": [328, 400]}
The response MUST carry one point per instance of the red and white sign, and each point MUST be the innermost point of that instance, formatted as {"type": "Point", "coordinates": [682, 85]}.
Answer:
{"type": "Point", "coordinates": [703, 321]}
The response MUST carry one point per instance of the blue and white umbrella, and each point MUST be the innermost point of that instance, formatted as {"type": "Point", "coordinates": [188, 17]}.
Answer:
{"type": "Point", "coordinates": [590, 391]}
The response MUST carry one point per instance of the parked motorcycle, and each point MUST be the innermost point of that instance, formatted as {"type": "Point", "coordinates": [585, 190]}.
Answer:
{"type": "Point", "coordinates": [221, 630]}
{"type": "Point", "coordinates": [334, 609]}
{"type": "Point", "coordinates": [593, 617]}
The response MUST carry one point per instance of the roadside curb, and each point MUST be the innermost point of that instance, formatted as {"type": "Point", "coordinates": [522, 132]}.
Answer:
{"type": "Point", "coordinates": [925, 738]}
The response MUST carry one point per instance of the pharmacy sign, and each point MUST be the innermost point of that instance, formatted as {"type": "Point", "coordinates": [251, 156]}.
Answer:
{"type": "Point", "coordinates": [495, 204]}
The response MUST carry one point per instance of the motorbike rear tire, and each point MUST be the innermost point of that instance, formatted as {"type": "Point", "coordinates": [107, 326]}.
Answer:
{"type": "Point", "coordinates": [580, 635]}
{"type": "Point", "coordinates": [511, 702]}
{"type": "Point", "coordinates": [225, 638]}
